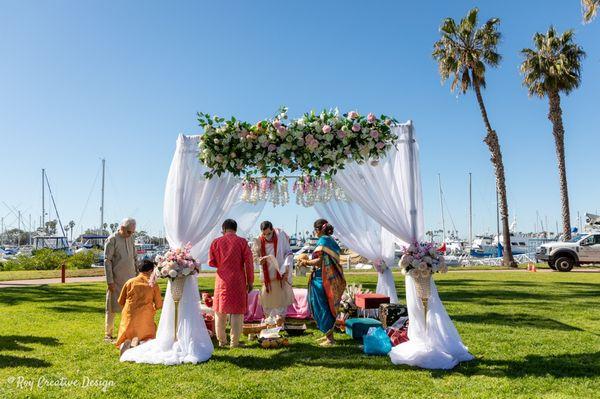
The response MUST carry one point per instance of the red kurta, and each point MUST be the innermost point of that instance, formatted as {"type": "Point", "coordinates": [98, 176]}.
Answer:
{"type": "Point", "coordinates": [232, 258]}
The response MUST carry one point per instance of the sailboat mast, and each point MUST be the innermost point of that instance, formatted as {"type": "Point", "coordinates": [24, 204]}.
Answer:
{"type": "Point", "coordinates": [470, 211]}
{"type": "Point", "coordinates": [43, 219]}
{"type": "Point", "coordinates": [102, 198]}
{"type": "Point", "coordinates": [442, 209]}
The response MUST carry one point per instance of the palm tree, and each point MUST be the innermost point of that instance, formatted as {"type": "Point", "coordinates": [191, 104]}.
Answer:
{"type": "Point", "coordinates": [462, 53]}
{"type": "Point", "coordinates": [590, 8]}
{"type": "Point", "coordinates": [554, 66]}
{"type": "Point", "coordinates": [71, 225]}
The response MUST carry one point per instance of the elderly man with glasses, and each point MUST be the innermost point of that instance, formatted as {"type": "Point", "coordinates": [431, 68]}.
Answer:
{"type": "Point", "coordinates": [119, 265]}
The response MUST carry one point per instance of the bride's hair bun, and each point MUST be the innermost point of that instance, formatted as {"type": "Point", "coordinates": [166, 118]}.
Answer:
{"type": "Point", "coordinates": [324, 227]}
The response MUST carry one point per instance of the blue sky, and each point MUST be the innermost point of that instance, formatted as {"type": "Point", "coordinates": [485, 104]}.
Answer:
{"type": "Point", "coordinates": [82, 80]}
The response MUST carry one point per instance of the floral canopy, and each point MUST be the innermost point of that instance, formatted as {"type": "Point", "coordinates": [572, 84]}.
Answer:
{"type": "Point", "coordinates": [317, 145]}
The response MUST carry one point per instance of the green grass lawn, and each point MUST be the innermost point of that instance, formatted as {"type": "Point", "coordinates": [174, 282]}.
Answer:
{"type": "Point", "coordinates": [38, 274]}
{"type": "Point", "coordinates": [534, 335]}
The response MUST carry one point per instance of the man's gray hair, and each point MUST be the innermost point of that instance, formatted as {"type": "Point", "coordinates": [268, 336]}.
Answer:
{"type": "Point", "coordinates": [128, 222]}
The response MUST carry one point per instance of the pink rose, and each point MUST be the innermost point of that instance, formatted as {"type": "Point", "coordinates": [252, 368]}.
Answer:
{"type": "Point", "coordinates": [326, 129]}
{"type": "Point", "coordinates": [309, 137]}
{"type": "Point", "coordinates": [341, 134]}
{"type": "Point", "coordinates": [265, 144]}
{"type": "Point", "coordinates": [285, 161]}
{"type": "Point", "coordinates": [276, 124]}
{"type": "Point", "coordinates": [371, 118]}
{"type": "Point", "coordinates": [281, 129]}
{"type": "Point", "coordinates": [272, 147]}
{"type": "Point", "coordinates": [356, 127]}
{"type": "Point", "coordinates": [374, 134]}
{"type": "Point", "coordinates": [352, 114]}
{"type": "Point", "coordinates": [380, 145]}
{"type": "Point", "coordinates": [388, 122]}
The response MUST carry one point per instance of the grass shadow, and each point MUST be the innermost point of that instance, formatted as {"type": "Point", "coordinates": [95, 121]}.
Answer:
{"type": "Point", "coordinates": [578, 365]}
{"type": "Point", "coordinates": [517, 320]}
{"type": "Point", "coordinates": [345, 355]}
{"type": "Point", "coordinates": [76, 309]}
{"type": "Point", "coordinates": [15, 361]}
{"type": "Point", "coordinates": [18, 343]}
{"type": "Point", "coordinates": [15, 342]}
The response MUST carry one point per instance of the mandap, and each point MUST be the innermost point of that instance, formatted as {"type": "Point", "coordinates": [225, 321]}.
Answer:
{"type": "Point", "coordinates": [359, 172]}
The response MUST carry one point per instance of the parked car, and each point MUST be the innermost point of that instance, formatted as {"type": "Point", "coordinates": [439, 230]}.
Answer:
{"type": "Point", "coordinates": [581, 249]}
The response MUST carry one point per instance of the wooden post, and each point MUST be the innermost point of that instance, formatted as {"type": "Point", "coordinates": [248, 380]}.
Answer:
{"type": "Point", "coordinates": [62, 273]}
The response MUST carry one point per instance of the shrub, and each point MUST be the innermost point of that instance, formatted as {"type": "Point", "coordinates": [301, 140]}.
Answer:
{"type": "Point", "coordinates": [82, 260]}
{"type": "Point", "coordinates": [48, 259]}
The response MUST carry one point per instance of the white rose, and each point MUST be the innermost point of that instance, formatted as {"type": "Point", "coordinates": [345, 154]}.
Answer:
{"type": "Point", "coordinates": [173, 273]}
{"type": "Point", "coordinates": [186, 271]}
{"type": "Point", "coordinates": [164, 272]}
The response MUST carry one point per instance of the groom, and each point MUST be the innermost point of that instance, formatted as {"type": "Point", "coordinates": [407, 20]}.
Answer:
{"type": "Point", "coordinates": [231, 256]}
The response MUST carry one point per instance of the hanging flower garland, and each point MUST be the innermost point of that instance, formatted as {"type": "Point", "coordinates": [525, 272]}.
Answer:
{"type": "Point", "coordinates": [274, 190]}
{"type": "Point", "coordinates": [317, 145]}
{"type": "Point", "coordinates": [310, 190]}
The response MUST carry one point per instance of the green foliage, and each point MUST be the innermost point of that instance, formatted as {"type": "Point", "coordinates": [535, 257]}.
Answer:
{"type": "Point", "coordinates": [464, 49]}
{"type": "Point", "coordinates": [48, 259]}
{"type": "Point", "coordinates": [554, 65]}
{"type": "Point", "coordinates": [315, 144]}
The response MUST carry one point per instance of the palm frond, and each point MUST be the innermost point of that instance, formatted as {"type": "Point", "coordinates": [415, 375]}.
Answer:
{"type": "Point", "coordinates": [554, 65]}
{"type": "Point", "coordinates": [464, 49]}
{"type": "Point", "coordinates": [589, 9]}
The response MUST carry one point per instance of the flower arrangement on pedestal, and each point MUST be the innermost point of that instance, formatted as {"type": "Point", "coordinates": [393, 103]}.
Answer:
{"type": "Point", "coordinates": [176, 264]}
{"type": "Point", "coordinates": [420, 261]}
{"type": "Point", "coordinates": [314, 144]}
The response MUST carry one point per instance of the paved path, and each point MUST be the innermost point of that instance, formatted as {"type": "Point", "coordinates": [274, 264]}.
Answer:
{"type": "Point", "coordinates": [97, 279]}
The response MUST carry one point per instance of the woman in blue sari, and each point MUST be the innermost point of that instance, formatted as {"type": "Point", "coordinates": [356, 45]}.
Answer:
{"type": "Point", "coordinates": [326, 284]}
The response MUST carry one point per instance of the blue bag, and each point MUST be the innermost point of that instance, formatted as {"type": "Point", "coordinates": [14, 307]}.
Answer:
{"type": "Point", "coordinates": [376, 342]}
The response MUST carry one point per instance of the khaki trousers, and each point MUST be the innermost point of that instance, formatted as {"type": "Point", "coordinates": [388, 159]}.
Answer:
{"type": "Point", "coordinates": [236, 321]}
{"type": "Point", "coordinates": [109, 323]}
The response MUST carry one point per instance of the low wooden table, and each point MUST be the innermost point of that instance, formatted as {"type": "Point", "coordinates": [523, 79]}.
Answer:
{"type": "Point", "coordinates": [366, 302]}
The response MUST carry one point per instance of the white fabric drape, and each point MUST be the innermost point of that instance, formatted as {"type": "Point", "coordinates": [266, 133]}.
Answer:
{"type": "Point", "coordinates": [390, 192]}
{"type": "Point", "coordinates": [193, 205]}
{"type": "Point", "coordinates": [359, 232]}
{"type": "Point", "coordinates": [434, 344]}
{"type": "Point", "coordinates": [194, 209]}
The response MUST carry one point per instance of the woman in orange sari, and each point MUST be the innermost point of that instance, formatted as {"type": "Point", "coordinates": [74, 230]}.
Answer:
{"type": "Point", "coordinates": [327, 283]}
{"type": "Point", "coordinates": [139, 301]}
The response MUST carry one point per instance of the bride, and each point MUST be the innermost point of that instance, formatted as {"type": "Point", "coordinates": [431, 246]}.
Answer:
{"type": "Point", "coordinates": [193, 343]}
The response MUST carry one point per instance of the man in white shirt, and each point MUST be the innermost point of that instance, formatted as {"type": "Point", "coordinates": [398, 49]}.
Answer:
{"type": "Point", "coordinates": [272, 253]}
